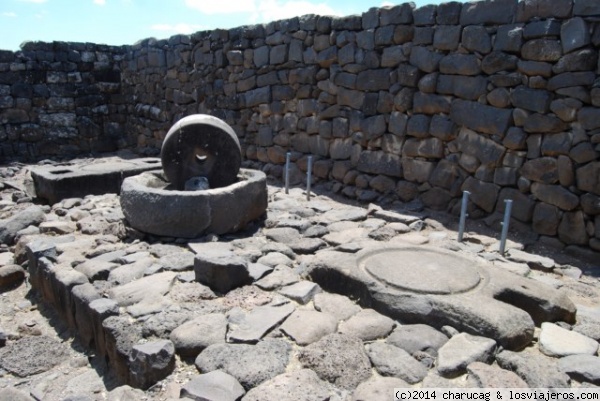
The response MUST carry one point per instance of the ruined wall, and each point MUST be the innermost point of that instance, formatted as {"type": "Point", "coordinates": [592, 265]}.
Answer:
{"type": "Point", "coordinates": [60, 99]}
{"type": "Point", "coordinates": [495, 97]}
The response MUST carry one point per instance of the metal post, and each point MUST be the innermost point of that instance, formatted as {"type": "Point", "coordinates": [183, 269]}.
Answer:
{"type": "Point", "coordinates": [287, 172]}
{"type": "Point", "coordinates": [505, 223]}
{"type": "Point", "coordinates": [308, 177]}
{"type": "Point", "coordinates": [463, 215]}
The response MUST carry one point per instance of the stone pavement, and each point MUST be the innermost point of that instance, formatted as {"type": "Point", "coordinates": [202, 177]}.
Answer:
{"type": "Point", "coordinates": [321, 300]}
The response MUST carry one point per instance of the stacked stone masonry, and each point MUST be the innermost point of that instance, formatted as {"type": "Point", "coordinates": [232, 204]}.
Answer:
{"type": "Point", "coordinates": [498, 97]}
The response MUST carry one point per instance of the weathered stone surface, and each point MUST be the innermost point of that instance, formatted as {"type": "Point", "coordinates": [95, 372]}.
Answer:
{"type": "Point", "coordinates": [368, 325]}
{"type": "Point", "coordinates": [222, 271]}
{"type": "Point", "coordinates": [215, 385]}
{"type": "Point", "coordinates": [542, 170]}
{"type": "Point", "coordinates": [483, 194]}
{"type": "Point", "coordinates": [543, 9]}
{"type": "Point", "coordinates": [307, 326]}
{"type": "Point", "coordinates": [135, 291]}
{"type": "Point", "coordinates": [484, 149]}
{"type": "Point", "coordinates": [339, 306]}
{"type": "Point", "coordinates": [376, 162]}
{"type": "Point", "coordinates": [9, 228]}
{"type": "Point", "coordinates": [470, 88]}
{"type": "Point", "coordinates": [194, 335]}
{"type": "Point", "coordinates": [250, 327]}
{"type": "Point", "coordinates": [151, 362]}
{"type": "Point", "coordinates": [476, 38]}
{"type": "Point", "coordinates": [303, 384]}
{"type": "Point", "coordinates": [555, 195]}
{"type": "Point", "coordinates": [542, 50]}
{"type": "Point", "coordinates": [11, 275]}
{"type": "Point", "coordinates": [572, 229]}
{"type": "Point", "coordinates": [483, 375]}
{"type": "Point", "coordinates": [32, 355]}
{"type": "Point", "coordinates": [478, 117]}
{"type": "Point", "coordinates": [461, 350]}
{"type": "Point", "coordinates": [425, 59]}
{"type": "Point", "coordinates": [558, 342]}
{"type": "Point", "coordinates": [545, 219]}
{"type": "Point", "coordinates": [588, 178]}
{"type": "Point", "coordinates": [494, 12]}
{"type": "Point", "coordinates": [337, 350]}
{"type": "Point", "coordinates": [417, 337]}
{"type": "Point", "coordinates": [574, 33]}
{"type": "Point", "coordinates": [537, 370]}
{"type": "Point", "coordinates": [301, 292]}
{"type": "Point", "coordinates": [585, 368]}
{"type": "Point", "coordinates": [389, 360]}
{"type": "Point", "coordinates": [377, 388]}
{"type": "Point", "coordinates": [249, 364]}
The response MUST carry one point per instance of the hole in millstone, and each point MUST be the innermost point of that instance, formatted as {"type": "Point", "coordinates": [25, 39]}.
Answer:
{"type": "Point", "coordinates": [61, 171]}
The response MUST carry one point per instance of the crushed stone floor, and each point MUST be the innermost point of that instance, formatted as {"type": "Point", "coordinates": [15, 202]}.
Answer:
{"type": "Point", "coordinates": [282, 337]}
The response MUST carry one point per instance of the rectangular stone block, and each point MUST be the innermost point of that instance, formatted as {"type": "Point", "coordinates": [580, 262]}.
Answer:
{"type": "Point", "coordinates": [482, 118]}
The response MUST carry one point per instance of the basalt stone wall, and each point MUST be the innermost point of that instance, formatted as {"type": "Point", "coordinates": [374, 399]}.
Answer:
{"type": "Point", "coordinates": [498, 97]}
{"type": "Point", "coordinates": [60, 99]}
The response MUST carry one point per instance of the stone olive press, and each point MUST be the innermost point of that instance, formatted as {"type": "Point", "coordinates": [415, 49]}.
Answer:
{"type": "Point", "coordinates": [201, 189]}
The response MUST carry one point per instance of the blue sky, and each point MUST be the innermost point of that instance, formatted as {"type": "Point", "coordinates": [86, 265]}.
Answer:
{"type": "Point", "coordinates": [118, 22]}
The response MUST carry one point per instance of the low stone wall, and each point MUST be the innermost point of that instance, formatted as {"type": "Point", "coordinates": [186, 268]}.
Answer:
{"type": "Point", "coordinates": [496, 97]}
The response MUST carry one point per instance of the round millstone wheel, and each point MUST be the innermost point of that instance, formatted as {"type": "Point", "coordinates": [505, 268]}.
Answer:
{"type": "Point", "coordinates": [201, 145]}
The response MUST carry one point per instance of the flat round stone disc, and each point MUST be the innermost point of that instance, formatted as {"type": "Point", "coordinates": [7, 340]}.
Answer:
{"type": "Point", "coordinates": [201, 145]}
{"type": "Point", "coordinates": [421, 271]}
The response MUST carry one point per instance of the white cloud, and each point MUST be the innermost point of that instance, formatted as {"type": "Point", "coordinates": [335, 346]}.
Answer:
{"type": "Point", "coordinates": [222, 7]}
{"type": "Point", "coordinates": [272, 10]}
{"type": "Point", "coordinates": [178, 28]}
{"type": "Point", "coordinates": [263, 10]}
{"type": "Point", "coordinates": [387, 4]}
{"type": "Point", "coordinates": [100, 2]}
{"type": "Point", "coordinates": [9, 14]}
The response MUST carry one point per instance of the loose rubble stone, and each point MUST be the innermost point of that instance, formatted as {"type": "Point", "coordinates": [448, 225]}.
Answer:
{"type": "Point", "coordinates": [377, 388]}
{"type": "Point", "coordinates": [195, 335]}
{"type": "Point", "coordinates": [339, 306]}
{"type": "Point", "coordinates": [389, 360]}
{"type": "Point", "coordinates": [417, 337]}
{"type": "Point", "coordinates": [482, 375]}
{"type": "Point", "coordinates": [307, 326]}
{"type": "Point", "coordinates": [335, 350]}
{"type": "Point", "coordinates": [151, 362]}
{"type": "Point", "coordinates": [301, 292]}
{"type": "Point", "coordinates": [303, 384]}
{"type": "Point", "coordinates": [556, 341]}
{"type": "Point", "coordinates": [250, 327]}
{"type": "Point", "coordinates": [11, 275]}
{"type": "Point", "coordinates": [249, 364]}
{"type": "Point", "coordinates": [213, 386]}
{"type": "Point", "coordinates": [281, 276]}
{"type": "Point", "coordinates": [134, 292]}
{"type": "Point", "coordinates": [221, 271]}
{"type": "Point", "coordinates": [585, 368]}
{"type": "Point", "coordinates": [32, 216]}
{"type": "Point", "coordinates": [368, 325]}
{"type": "Point", "coordinates": [461, 350]}
{"type": "Point", "coordinates": [537, 370]}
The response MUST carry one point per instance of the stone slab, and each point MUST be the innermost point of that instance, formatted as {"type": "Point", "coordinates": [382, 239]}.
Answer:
{"type": "Point", "coordinates": [438, 287]}
{"type": "Point", "coordinates": [76, 180]}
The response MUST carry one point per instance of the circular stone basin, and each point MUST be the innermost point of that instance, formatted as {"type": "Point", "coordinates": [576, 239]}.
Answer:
{"type": "Point", "coordinates": [422, 271]}
{"type": "Point", "coordinates": [150, 205]}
